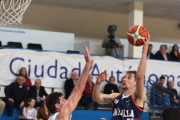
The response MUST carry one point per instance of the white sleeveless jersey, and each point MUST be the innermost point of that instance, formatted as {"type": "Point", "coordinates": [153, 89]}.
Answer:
{"type": "Point", "coordinates": [53, 117]}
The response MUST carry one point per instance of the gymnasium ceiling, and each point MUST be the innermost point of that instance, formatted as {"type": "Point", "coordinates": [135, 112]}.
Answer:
{"type": "Point", "coordinates": [154, 8]}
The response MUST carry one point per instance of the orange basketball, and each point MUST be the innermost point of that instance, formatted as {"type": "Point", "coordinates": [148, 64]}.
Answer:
{"type": "Point", "coordinates": [135, 35]}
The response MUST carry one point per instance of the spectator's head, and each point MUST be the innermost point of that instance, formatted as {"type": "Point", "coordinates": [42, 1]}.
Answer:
{"type": "Point", "coordinates": [29, 103]}
{"type": "Point", "coordinates": [170, 114]}
{"type": "Point", "coordinates": [74, 75]}
{"type": "Point", "coordinates": [163, 49]}
{"type": "Point", "coordinates": [129, 82]}
{"type": "Point", "coordinates": [23, 72]}
{"type": "Point", "coordinates": [166, 47]}
{"type": "Point", "coordinates": [175, 48]}
{"type": "Point", "coordinates": [111, 80]}
{"type": "Point", "coordinates": [161, 80]}
{"type": "Point", "coordinates": [171, 84]}
{"type": "Point", "coordinates": [20, 80]}
{"type": "Point", "coordinates": [55, 101]}
{"type": "Point", "coordinates": [90, 77]}
{"type": "Point", "coordinates": [38, 83]}
{"type": "Point", "coordinates": [150, 48]}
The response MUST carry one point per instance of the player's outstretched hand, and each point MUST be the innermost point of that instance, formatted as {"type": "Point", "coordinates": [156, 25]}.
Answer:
{"type": "Point", "coordinates": [101, 77]}
{"type": "Point", "coordinates": [146, 42]}
{"type": "Point", "coordinates": [88, 57]}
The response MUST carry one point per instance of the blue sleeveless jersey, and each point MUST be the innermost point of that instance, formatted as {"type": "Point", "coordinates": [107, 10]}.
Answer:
{"type": "Point", "coordinates": [125, 108]}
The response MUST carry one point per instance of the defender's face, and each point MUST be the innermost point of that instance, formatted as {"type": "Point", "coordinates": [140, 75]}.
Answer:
{"type": "Point", "coordinates": [128, 82]}
{"type": "Point", "coordinates": [59, 105]}
{"type": "Point", "coordinates": [62, 100]}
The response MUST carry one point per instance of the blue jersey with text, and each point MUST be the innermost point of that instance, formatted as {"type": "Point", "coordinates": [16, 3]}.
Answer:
{"type": "Point", "coordinates": [125, 108]}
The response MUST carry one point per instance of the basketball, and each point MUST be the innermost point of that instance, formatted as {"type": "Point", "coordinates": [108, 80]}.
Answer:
{"type": "Point", "coordinates": [135, 35]}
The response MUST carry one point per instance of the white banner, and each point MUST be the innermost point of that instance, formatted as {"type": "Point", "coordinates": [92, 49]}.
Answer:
{"type": "Point", "coordinates": [54, 68]}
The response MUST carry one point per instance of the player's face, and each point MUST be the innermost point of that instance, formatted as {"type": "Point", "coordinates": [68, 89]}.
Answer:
{"type": "Point", "coordinates": [62, 100]}
{"type": "Point", "coordinates": [128, 81]}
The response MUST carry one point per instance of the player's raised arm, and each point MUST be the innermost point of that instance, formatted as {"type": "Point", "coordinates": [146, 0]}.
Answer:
{"type": "Point", "coordinates": [141, 71]}
{"type": "Point", "coordinates": [96, 96]}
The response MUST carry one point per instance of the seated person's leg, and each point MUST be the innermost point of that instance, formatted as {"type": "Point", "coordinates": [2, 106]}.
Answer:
{"type": "Point", "coordinates": [38, 104]}
{"type": "Point", "coordinates": [88, 98]}
{"type": "Point", "coordinates": [2, 105]}
{"type": "Point", "coordinates": [10, 107]}
{"type": "Point", "coordinates": [83, 102]}
{"type": "Point", "coordinates": [96, 105]}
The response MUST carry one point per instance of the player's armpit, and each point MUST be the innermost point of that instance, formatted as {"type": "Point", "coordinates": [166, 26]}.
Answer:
{"type": "Point", "coordinates": [108, 98]}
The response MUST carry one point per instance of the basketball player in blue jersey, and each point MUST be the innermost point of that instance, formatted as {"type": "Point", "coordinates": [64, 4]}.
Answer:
{"type": "Point", "coordinates": [61, 108]}
{"type": "Point", "coordinates": [129, 105]}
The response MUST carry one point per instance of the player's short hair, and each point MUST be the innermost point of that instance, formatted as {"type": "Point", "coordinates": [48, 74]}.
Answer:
{"type": "Point", "coordinates": [162, 77]}
{"type": "Point", "coordinates": [171, 114]}
{"type": "Point", "coordinates": [111, 77]}
{"type": "Point", "coordinates": [51, 100]}
{"type": "Point", "coordinates": [133, 72]}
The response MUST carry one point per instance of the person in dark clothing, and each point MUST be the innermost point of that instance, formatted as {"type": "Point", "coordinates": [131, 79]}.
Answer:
{"type": "Point", "coordinates": [27, 81]}
{"type": "Point", "coordinates": [170, 114]}
{"type": "Point", "coordinates": [150, 55]}
{"type": "Point", "coordinates": [16, 94]}
{"type": "Point", "coordinates": [37, 91]}
{"type": "Point", "coordinates": [174, 99]}
{"type": "Point", "coordinates": [69, 85]}
{"type": "Point", "coordinates": [111, 87]}
{"type": "Point", "coordinates": [88, 92]}
{"type": "Point", "coordinates": [175, 53]}
{"type": "Point", "coordinates": [162, 54]}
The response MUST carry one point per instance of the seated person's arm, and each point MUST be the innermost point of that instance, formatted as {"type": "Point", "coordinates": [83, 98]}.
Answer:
{"type": "Point", "coordinates": [7, 92]}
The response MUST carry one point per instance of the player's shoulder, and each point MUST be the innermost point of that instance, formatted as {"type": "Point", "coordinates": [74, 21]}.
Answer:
{"type": "Point", "coordinates": [115, 95]}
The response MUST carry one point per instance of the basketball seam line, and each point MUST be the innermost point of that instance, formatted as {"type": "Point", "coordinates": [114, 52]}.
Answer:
{"type": "Point", "coordinates": [142, 32]}
{"type": "Point", "coordinates": [134, 34]}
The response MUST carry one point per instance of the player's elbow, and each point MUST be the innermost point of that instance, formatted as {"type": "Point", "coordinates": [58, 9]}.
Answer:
{"type": "Point", "coordinates": [94, 98]}
{"type": "Point", "coordinates": [140, 77]}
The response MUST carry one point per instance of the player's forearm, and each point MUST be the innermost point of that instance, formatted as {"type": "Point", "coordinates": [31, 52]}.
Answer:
{"type": "Point", "coordinates": [142, 66]}
{"type": "Point", "coordinates": [83, 78]}
{"type": "Point", "coordinates": [96, 93]}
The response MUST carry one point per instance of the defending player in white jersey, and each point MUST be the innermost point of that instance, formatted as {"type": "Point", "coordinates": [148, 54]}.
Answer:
{"type": "Point", "coordinates": [61, 108]}
{"type": "Point", "coordinates": [130, 105]}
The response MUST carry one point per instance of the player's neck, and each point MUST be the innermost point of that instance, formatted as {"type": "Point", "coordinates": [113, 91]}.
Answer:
{"type": "Point", "coordinates": [128, 92]}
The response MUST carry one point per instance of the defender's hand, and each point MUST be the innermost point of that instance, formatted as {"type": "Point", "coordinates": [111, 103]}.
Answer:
{"type": "Point", "coordinates": [101, 77]}
{"type": "Point", "coordinates": [88, 57]}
